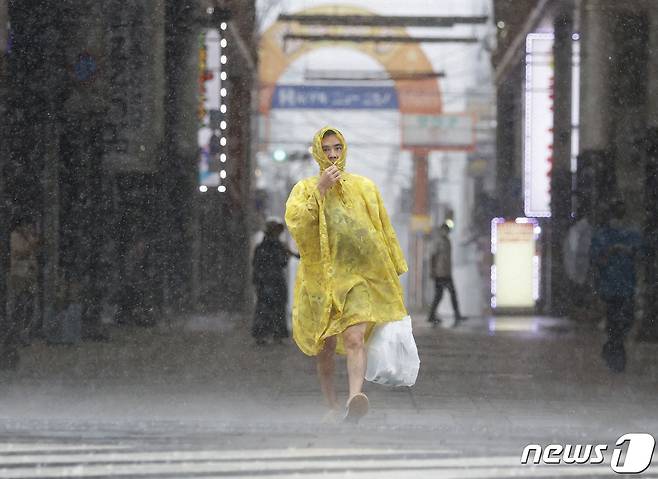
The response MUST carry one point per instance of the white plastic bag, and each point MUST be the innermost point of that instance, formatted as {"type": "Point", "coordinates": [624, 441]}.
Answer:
{"type": "Point", "coordinates": [392, 354]}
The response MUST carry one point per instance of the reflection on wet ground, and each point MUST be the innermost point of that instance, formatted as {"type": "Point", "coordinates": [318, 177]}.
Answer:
{"type": "Point", "coordinates": [203, 401]}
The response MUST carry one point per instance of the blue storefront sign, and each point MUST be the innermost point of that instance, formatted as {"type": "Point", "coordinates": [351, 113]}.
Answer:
{"type": "Point", "coordinates": [334, 97]}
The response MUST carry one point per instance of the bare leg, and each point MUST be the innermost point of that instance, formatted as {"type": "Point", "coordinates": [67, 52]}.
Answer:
{"type": "Point", "coordinates": [326, 367]}
{"type": "Point", "coordinates": [353, 338]}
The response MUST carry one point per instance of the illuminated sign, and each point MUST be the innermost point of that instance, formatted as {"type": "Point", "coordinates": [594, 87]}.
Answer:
{"type": "Point", "coordinates": [445, 131]}
{"type": "Point", "coordinates": [515, 272]}
{"type": "Point", "coordinates": [538, 136]}
{"type": "Point", "coordinates": [335, 97]}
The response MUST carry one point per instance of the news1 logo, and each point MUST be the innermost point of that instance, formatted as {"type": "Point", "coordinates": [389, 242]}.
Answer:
{"type": "Point", "coordinates": [639, 449]}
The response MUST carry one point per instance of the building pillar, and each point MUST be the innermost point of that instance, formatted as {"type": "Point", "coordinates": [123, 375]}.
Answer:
{"type": "Point", "coordinates": [133, 143]}
{"type": "Point", "coordinates": [4, 154]}
{"type": "Point", "coordinates": [79, 175]}
{"type": "Point", "coordinates": [595, 39]}
{"type": "Point", "coordinates": [561, 168]}
{"type": "Point", "coordinates": [50, 226]}
{"type": "Point", "coordinates": [596, 168]}
{"type": "Point", "coordinates": [178, 179]}
{"type": "Point", "coordinates": [504, 143]}
{"type": "Point", "coordinates": [36, 82]}
{"type": "Point", "coordinates": [652, 68]}
{"type": "Point", "coordinates": [4, 20]}
{"type": "Point", "coordinates": [225, 225]}
{"type": "Point", "coordinates": [237, 242]}
{"type": "Point", "coordinates": [649, 327]}
{"type": "Point", "coordinates": [420, 226]}
{"type": "Point", "coordinates": [509, 144]}
{"type": "Point", "coordinates": [5, 353]}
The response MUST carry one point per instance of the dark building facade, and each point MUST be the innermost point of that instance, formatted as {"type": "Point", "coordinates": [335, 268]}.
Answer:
{"type": "Point", "coordinates": [99, 148]}
{"type": "Point", "coordinates": [615, 46]}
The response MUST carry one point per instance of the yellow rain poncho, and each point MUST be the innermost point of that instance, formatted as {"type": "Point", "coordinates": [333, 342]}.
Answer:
{"type": "Point", "coordinates": [350, 256]}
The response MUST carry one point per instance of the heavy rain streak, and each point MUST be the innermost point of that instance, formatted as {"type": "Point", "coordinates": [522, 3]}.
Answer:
{"type": "Point", "coordinates": [328, 238]}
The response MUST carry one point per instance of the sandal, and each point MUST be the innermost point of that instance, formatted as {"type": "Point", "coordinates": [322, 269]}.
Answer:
{"type": "Point", "coordinates": [357, 407]}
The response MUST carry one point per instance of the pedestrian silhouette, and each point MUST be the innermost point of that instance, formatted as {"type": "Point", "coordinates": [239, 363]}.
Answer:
{"type": "Point", "coordinates": [441, 272]}
{"type": "Point", "coordinates": [614, 249]}
{"type": "Point", "coordinates": [24, 246]}
{"type": "Point", "coordinates": [268, 275]}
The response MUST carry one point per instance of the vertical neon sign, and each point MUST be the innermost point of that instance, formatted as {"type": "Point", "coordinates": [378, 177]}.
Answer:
{"type": "Point", "coordinates": [538, 134]}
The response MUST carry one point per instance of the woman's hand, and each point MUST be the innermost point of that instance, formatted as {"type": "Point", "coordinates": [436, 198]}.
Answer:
{"type": "Point", "coordinates": [328, 178]}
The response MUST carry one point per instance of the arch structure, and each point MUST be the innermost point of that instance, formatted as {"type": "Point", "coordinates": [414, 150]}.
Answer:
{"type": "Point", "coordinates": [415, 97]}
{"type": "Point", "coordinates": [418, 96]}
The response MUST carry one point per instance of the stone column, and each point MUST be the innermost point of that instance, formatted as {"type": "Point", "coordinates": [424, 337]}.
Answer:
{"type": "Point", "coordinates": [561, 170]}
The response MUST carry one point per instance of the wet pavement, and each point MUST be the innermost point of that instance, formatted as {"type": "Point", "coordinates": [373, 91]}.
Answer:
{"type": "Point", "coordinates": [199, 399]}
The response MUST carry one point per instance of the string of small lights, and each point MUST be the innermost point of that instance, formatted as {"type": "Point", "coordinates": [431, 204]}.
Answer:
{"type": "Point", "coordinates": [216, 119]}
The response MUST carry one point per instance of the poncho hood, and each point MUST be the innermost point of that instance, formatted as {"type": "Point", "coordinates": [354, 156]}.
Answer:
{"type": "Point", "coordinates": [319, 155]}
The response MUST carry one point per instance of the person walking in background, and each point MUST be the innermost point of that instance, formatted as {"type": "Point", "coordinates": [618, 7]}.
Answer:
{"type": "Point", "coordinates": [23, 268]}
{"type": "Point", "coordinates": [23, 276]}
{"type": "Point", "coordinates": [576, 256]}
{"type": "Point", "coordinates": [441, 272]}
{"type": "Point", "coordinates": [268, 275]}
{"type": "Point", "coordinates": [348, 280]}
{"type": "Point", "coordinates": [614, 250]}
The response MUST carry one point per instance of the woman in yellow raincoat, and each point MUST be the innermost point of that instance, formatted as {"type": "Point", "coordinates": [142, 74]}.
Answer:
{"type": "Point", "coordinates": [347, 281]}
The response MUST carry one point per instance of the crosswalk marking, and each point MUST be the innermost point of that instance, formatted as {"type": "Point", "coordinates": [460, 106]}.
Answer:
{"type": "Point", "coordinates": [8, 448]}
{"type": "Point", "coordinates": [224, 455]}
{"type": "Point", "coordinates": [27, 461]}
